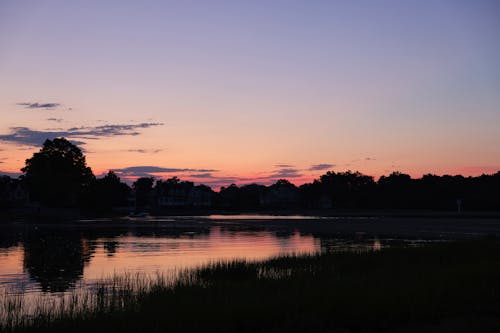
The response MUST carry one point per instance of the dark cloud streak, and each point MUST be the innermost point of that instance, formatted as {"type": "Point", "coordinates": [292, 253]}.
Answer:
{"type": "Point", "coordinates": [283, 166]}
{"type": "Point", "coordinates": [285, 173]}
{"type": "Point", "coordinates": [320, 167]}
{"type": "Point", "coordinates": [30, 137]}
{"type": "Point", "coordinates": [206, 175]}
{"type": "Point", "coordinates": [36, 105]}
{"type": "Point", "coordinates": [148, 169]}
{"type": "Point", "coordinates": [111, 130]}
{"type": "Point", "coordinates": [144, 151]}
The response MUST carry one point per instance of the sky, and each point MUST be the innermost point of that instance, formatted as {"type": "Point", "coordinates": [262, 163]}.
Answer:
{"type": "Point", "coordinates": [223, 92]}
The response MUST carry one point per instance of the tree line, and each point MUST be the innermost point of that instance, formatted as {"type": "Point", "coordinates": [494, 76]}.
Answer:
{"type": "Point", "coordinates": [57, 176]}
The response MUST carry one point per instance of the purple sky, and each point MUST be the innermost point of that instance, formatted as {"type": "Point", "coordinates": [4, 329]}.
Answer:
{"type": "Point", "coordinates": [254, 90]}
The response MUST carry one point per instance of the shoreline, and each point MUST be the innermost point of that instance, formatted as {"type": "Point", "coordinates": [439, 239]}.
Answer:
{"type": "Point", "coordinates": [76, 213]}
{"type": "Point", "coordinates": [397, 226]}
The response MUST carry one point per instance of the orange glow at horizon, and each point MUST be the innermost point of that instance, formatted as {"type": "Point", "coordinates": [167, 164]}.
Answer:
{"type": "Point", "coordinates": [101, 163]}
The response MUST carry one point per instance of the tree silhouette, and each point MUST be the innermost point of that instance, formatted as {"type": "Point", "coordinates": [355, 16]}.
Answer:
{"type": "Point", "coordinates": [397, 191]}
{"type": "Point", "coordinates": [108, 192]}
{"type": "Point", "coordinates": [143, 188]}
{"type": "Point", "coordinates": [347, 189]}
{"type": "Point", "coordinates": [57, 175]}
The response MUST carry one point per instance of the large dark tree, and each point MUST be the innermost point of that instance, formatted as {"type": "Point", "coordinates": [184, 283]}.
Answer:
{"type": "Point", "coordinates": [57, 175]}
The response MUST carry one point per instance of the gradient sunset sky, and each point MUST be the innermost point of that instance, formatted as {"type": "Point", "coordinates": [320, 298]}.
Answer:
{"type": "Point", "coordinates": [242, 91]}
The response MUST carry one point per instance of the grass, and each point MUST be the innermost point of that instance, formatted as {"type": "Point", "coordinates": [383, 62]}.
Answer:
{"type": "Point", "coordinates": [448, 287]}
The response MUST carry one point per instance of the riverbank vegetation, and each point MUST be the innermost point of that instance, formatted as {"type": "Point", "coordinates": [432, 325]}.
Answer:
{"type": "Point", "coordinates": [442, 287]}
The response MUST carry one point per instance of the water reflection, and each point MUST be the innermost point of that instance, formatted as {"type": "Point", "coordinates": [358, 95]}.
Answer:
{"type": "Point", "coordinates": [168, 254]}
{"type": "Point", "coordinates": [254, 217]}
{"type": "Point", "coordinates": [56, 261]}
{"type": "Point", "coordinates": [53, 261]}
{"type": "Point", "coordinates": [110, 247]}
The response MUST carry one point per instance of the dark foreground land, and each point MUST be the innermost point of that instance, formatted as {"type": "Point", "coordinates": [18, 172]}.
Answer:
{"type": "Point", "coordinates": [447, 287]}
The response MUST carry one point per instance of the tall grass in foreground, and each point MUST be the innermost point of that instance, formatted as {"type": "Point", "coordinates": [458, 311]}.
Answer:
{"type": "Point", "coordinates": [115, 293]}
{"type": "Point", "coordinates": [445, 287]}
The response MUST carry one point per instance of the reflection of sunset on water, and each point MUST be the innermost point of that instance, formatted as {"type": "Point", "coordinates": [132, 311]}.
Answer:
{"type": "Point", "coordinates": [58, 262]}
{"type": "Point", "coordinates": [11, 261]}
{"type": "Point", "coordinates": [164, 254]}
{"type": "Point", "coordinates": [46, 262]}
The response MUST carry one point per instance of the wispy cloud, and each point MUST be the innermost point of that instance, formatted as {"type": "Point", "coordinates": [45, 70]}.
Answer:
{"type": "Point", "coordinates": [30, 137]}
{"type": "Point", "coordinates": [148, 171]}
{"type": "Point", "coordinates": [319, 167]}
{"type": "Point", "coordinates": [282, 165]}
{"type": "Point", "coordinates": [36, 105]}
{"type": "Point", "coordinates": [285, 173]}
{"type": "Point", "coordinates": [144, 151]}
{"type": "Point", "coordinates": [206, 175]}
{"type": "Point", "coordinates": [111, 129]}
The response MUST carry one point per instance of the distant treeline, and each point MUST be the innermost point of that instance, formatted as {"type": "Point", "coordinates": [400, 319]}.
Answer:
{"type": "Point", "coordinates": [348, 190]}
{"type": "Point", "coordinates": [57, 176]}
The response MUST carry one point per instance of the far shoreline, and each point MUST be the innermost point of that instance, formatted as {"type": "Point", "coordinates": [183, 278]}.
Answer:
{"type": "Point", "coordinates": [77, 213]}
{"type": "Point", "coordinates": [341, 223]}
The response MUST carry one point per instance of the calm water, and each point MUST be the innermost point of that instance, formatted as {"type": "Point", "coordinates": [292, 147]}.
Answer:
{"type": "Point", "coordinates": [55, 260]}
{"type": "Point", "coordinates": [54, 263]}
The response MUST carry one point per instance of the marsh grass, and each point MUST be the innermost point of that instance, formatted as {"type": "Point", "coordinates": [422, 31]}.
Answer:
{"type": "Point", "coordinates": [442, 287]}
